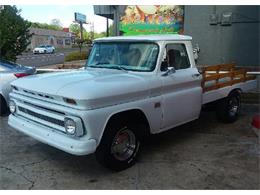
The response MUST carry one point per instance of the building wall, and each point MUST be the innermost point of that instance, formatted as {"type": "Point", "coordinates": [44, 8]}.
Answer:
{"type": "Point", "coordinates": [221, 44]}
{"type": "Point", "coordinates": [239, 42]}
{"type": "Point", "coordinates": [57, 42]}
{"type": "Point", "coordinates": [58, 39]}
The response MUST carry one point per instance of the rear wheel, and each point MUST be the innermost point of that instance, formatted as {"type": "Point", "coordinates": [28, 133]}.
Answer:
{"type": "Point", "coordinates": [3, 106]}
{"type": "Point", "coordinates": [228, 109]}
{"type": "Point", "coordinates": [119, 146]}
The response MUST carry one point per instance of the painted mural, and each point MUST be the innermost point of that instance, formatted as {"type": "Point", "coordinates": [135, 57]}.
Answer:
{"type": "Point", "coordinates": [152, 19]}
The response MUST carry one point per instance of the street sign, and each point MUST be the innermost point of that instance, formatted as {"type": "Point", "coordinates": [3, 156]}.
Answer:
{"type": "Point", "coordinates": [81, 18]}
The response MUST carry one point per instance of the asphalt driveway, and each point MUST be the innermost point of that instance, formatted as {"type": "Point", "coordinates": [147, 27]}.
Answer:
{"type": "Point", "coordinates": [204, 154]}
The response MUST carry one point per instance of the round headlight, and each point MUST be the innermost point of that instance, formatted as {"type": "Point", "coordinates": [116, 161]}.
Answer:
{"type": "Point", "coordinates": [12, 106]}
{"type": "Point", "coordinates": [70, 126]}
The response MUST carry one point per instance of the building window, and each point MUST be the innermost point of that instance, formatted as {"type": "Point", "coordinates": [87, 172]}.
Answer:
{"type": "Point", "coordinates": [59, 41]}
{"type": "Point", "coordinates": [67, 42]}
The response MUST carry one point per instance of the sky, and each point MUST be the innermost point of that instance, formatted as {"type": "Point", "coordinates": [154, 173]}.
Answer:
{"type": "Point", "coordinates": [65, 13]}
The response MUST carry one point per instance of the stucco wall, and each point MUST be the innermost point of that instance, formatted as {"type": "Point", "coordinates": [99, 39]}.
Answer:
{"type": "Point", "coordinates": [221, 44]}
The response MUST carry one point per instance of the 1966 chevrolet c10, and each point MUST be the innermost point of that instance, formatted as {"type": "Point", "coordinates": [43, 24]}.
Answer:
{"type": "Point", "coordinates": [131, 87]}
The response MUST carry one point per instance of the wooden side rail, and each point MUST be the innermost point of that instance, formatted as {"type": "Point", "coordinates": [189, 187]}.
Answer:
{"type": "Point", "coordinates": [220, 67]}
{"type": "Point", "coordinates": [213, 78]}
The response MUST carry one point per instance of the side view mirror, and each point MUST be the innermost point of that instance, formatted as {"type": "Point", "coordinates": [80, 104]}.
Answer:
{"type": "Point", "coordinates": [170, 71]}
{"type": "Point", "coordinates": [196, 49]}
{"type": "Point", "coordinates": [164, 66]}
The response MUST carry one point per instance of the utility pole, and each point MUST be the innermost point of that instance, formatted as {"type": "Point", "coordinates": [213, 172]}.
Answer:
{"type": "Point", "coordinates": [107, 28]}
{"type": "Point", "coordinates": [81, 31]}
{"type": "Point", "coordinates": [80, 18]}
{"type": "Point", "coordinates": [116, 19]}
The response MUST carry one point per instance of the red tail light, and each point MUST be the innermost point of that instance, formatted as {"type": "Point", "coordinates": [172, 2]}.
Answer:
{"type": "Point", "coordinates": [256, 121]}
{"type": "Point", "coordinates": [19, 75]}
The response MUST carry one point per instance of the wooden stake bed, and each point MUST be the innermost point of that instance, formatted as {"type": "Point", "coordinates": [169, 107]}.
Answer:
{"type": "Point", "coordinates": [218, 76]}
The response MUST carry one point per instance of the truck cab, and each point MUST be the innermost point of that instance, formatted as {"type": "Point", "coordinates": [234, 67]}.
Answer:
{"type": "Point", "coordinates": [174, 78]}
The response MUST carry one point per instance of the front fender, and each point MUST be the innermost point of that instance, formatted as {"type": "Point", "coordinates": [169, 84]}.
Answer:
{"type": "Point", "coordinates": [97, 120]}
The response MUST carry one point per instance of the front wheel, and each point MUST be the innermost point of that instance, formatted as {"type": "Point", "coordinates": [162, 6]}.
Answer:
{"type": "Point", "coordinates": [228, 109]}
{"type": "Point", "coordinates": [119, 146]}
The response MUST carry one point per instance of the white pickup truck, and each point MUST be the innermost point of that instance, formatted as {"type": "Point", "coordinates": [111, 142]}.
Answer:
{"type": "Point", "coordinates": [131, 87]}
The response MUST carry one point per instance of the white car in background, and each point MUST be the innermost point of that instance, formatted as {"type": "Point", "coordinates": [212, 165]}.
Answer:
{"type": "Point", "coordinates": [9, 72]}
{"type": "Point", "coordinates": [44, 49]}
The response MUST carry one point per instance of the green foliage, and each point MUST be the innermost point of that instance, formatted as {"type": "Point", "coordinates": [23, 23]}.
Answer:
{"type": "Point", "coordinates": [75, 28]}
{"type": "Point", "coordinates": [14, 33]}
{"type": "Point", "coordinates": [77, 56]}
{"type": "Point", "coordinates": [79, 43]}
{"type": "Point", "coordinates": [86, 35]}
{"type": "Point", "coordinates": [100, 35]}
{"type": "Point", "coordinates": [45, 26]}
{"type": "Point", "coordinates": [104, 34]}
{"type": "Point", "coordinates": [56, 22]}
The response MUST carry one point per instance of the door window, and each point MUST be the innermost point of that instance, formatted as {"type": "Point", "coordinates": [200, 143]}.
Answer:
{"type": "Point", "coordinates": [177, 56]}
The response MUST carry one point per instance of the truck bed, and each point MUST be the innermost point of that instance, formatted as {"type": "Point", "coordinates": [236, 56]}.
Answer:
{"type": "Point", "coordinates": [219, 80]}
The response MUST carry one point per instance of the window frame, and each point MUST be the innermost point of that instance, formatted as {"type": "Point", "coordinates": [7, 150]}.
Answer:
{"type": "Point", "coordinates": [132, 42]}
{"type": "Point", "coordinates": [186, 51]}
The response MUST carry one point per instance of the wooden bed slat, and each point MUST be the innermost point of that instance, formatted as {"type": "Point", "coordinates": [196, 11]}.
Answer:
{"type": "Point", "coordinates": [212, 73]}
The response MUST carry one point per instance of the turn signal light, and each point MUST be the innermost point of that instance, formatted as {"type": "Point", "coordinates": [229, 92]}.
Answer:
{"type": "Point", "coordinates": [70, 101]}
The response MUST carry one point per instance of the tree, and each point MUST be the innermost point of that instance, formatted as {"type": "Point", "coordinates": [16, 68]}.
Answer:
{"type": "Point", "coordinates": [14, 33]}
{"type": "Point", "coordinates": [45, 26]}
{"type": "Point", "coordinates": [75, 28]}
{"type": "Point", "coordinates": [86, 35]}
{"type": "Point", "coordinates": [56, 22]}
{"type": "Point", "coordinates": [80, 43]}
{"type": "Point", "coordinates": [100, 35]}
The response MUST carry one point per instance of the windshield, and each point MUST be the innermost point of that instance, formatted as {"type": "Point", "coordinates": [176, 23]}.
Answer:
{"type": "Point", "coordinates": [42, 46]}
{"type": "Point", "coordinates": [136, 56]}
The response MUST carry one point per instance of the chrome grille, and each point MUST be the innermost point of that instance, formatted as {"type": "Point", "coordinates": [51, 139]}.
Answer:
{"type": "Point", "coordinates": [37, 94]}
{"type": "Point", "coordinates": [38, 110]}
{"type": "Point", "coordinates": [42, 117]}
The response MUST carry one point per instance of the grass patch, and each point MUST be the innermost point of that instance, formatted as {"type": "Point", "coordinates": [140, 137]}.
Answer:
{"type": "Point", "coordinates": [76, 56]}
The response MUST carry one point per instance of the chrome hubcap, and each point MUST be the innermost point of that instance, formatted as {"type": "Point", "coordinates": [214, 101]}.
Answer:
{"type": "Point", "coordinates": [123, 145]}
{"type": "Point", "coordinates": [234, 106]}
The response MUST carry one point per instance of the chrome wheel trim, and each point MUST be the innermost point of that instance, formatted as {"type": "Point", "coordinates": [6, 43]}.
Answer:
{"type": "Point", "coordinates": [233, 106]}
{"type": "Point", "coordinates": [124, 144]}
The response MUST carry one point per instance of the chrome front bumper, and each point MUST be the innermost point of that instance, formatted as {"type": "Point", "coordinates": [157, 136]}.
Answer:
{"type": "Point", "coordinates": [72, 145]}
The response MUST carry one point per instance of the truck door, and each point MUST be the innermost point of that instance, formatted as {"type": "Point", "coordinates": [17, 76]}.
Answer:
{"type": "Point", "coordinates": [181, 86]}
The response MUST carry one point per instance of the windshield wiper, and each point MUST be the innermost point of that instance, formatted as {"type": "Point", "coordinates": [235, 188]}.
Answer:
{"type": "Point", "coordinates": [110, 67]}
{"type": "Point", "coordinates": [101, 63]}
{"type": "Point", "coordinates": [118, 68]}
{"type": "Point", "coordinates": [93, 66]}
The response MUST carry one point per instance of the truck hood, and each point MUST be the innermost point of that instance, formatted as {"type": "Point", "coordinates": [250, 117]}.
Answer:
{"type": "Point", "coordinates": [91, 88]}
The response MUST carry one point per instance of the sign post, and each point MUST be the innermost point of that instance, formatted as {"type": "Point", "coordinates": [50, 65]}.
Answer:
{"type": "Point", "coordinates": [81, 19]}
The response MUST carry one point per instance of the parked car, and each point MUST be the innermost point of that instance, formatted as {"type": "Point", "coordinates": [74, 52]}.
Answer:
{"type": "Point", "coordinates": [131, 87]}
{"type": "Point", "coordinates": [10, 71]}
{"type": "Point", "coordinates": [44, 49]}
